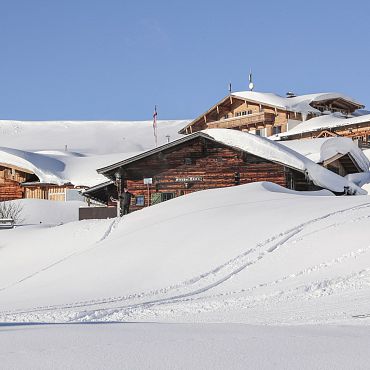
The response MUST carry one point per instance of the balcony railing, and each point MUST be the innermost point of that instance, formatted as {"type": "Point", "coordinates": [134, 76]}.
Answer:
{"type": "Point", "coordinates": [255, 119]}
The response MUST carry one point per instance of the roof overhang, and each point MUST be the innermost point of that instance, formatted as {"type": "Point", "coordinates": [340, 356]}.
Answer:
{"type": "Point", "coordinates": [109, 171]}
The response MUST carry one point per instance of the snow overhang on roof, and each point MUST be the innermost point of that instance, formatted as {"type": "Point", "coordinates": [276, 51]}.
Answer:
{"type": "Point", "coordinates": [43, 167]}
{"type": "Point", "coordinates": [323, 149]}
{"type": "Point", "coordinates": [299, 104]}
{"type": "Point", "coordinates": [326, 122]}
{"type": "Point", "coordinates": [59, 169]}
{"type": "Point", "coordinates": [260, 147]}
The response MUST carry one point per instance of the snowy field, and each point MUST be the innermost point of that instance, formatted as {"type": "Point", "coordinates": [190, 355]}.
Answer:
{"type": "Point", "coordinates": [183, 346]}
{"type": "Point", "coordinates": [225, 278]}
{"type": "Point", "coordinates": [255, 253]}
{"type": "Point", "coordinates": [44, 212]}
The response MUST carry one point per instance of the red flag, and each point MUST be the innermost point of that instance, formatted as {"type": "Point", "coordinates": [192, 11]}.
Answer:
{"type": "Point", "coordinates": [155, 124]}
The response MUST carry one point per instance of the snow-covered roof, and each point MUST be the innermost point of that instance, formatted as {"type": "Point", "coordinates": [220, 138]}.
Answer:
{"type": "Point", "coordinates": [325, 122]}
{"type": "Point", "coordinates": [277, 152]}
{"type": "Point", "coordinates": [323, 149]}
{"type": "Point", "coordinates": [261, 147]}
{"type": "Point", "coordinates": [360, 179]}
{"type": "Point", "coordinates": [299, 103]}
{"type": "Point", "coordinates": [33, 146]}
{"type": "Point", "coordinates": [60, 167]}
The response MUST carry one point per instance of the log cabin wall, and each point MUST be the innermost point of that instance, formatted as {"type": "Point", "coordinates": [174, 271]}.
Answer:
{"type": "Point", "coordinates": [197, 165]}
{"type": "Point", "coordinates": [10, 190]}
{"type": "Point", "coordinates": [10, 178]}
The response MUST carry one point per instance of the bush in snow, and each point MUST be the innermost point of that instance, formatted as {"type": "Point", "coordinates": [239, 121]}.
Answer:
{"type": "Point", "coordinates": [11, 210]}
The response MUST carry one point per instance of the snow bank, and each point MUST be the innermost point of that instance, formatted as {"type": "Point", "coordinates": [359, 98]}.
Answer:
{"type": "Point", "coordinates": [276, 152]}
{"type": "Point", "coordinates": [211, 256]}
{"type": "Point", "coordinates": [322, 149]}
{"type": "Point", "coordinates": [47, 212]}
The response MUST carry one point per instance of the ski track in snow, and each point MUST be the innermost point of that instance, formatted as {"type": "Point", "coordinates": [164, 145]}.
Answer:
{"type": "Point", "coordinates": [190, 289]}
{"type": "Point", "coordinates": [110, 229]}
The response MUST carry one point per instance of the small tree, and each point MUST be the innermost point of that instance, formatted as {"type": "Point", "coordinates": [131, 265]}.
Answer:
{"type": "Point", "coordinates": [11, 210]}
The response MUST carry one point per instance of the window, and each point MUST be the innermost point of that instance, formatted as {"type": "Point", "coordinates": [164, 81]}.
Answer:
{"type": "Point", "coordinates": [226, 116]}
{"type": "Point", "coordinates": [238, 114]}
{"type": "Point", "coordinates": [276, 130]}
{"type": "Point", "coordinates": [188, 160]}
{"type": "Point", "coordinates": [259, 132]}
{"type": "Point", "coordinates": [167, 196]}
{"type": "Point", "coordinates": [139, 200]}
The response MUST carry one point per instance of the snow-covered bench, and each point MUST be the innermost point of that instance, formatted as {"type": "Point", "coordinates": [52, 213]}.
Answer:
{"type": "Point", "coordinates": [6, 223]}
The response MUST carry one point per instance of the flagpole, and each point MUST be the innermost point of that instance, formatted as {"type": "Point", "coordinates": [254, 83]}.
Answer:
{"type": "Point", "coordinates": [155, 125]}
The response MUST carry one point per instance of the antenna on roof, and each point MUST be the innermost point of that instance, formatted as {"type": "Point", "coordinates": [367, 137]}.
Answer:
{"type": "Point", "coordinates": [251, 84]}
{"type": "Point", "coordinates": [230, 89]}
{"type": "Point", "coordinates": [290, 94]}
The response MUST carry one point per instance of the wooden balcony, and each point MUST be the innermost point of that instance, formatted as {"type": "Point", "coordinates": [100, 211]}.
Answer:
{"type": "Point", "coordinates": [256, 120]}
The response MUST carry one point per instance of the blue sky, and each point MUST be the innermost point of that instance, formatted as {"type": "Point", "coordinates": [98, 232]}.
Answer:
{"type": "Point", "coordinates": [116, 59]}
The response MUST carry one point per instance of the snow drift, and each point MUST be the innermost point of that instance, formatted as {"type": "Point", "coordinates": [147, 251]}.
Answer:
{"type": "Point", "coordinates": [206, 256]}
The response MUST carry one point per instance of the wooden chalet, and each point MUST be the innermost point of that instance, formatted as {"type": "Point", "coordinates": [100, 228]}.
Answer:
{"type": "Point", "coordinates": [192, 163]}
{"type": "Point", "coordinates": [19, 183]}
{"type": "Point", "coordinates": [267, 114]}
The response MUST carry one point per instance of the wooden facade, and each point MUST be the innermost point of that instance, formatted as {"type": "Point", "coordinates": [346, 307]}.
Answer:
{"type": "Point", "coordinates": [240, 114]}
{"type": "Point", "coordinates": [18, 183]}
{"type": "Point", "coordinates": [10, 180]}
{"type": "Point", "coordinates": [342, 165]}
{"type": "Point", "coordinates": [260, 118]}
{"type": "Point", "coordinates": [192, 165]}
{"type": "Point", "coordinates": [46, 191]}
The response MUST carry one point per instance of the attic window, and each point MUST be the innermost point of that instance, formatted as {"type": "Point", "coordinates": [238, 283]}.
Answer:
{"type": "Point", "coordinates": [188, 160]}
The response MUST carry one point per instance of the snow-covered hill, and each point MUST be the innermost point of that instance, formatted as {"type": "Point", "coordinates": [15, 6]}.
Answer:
{"type": "Point", "coordinates": [255, 253]}
{"type": "Point", "coordinates": [88, 137]}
